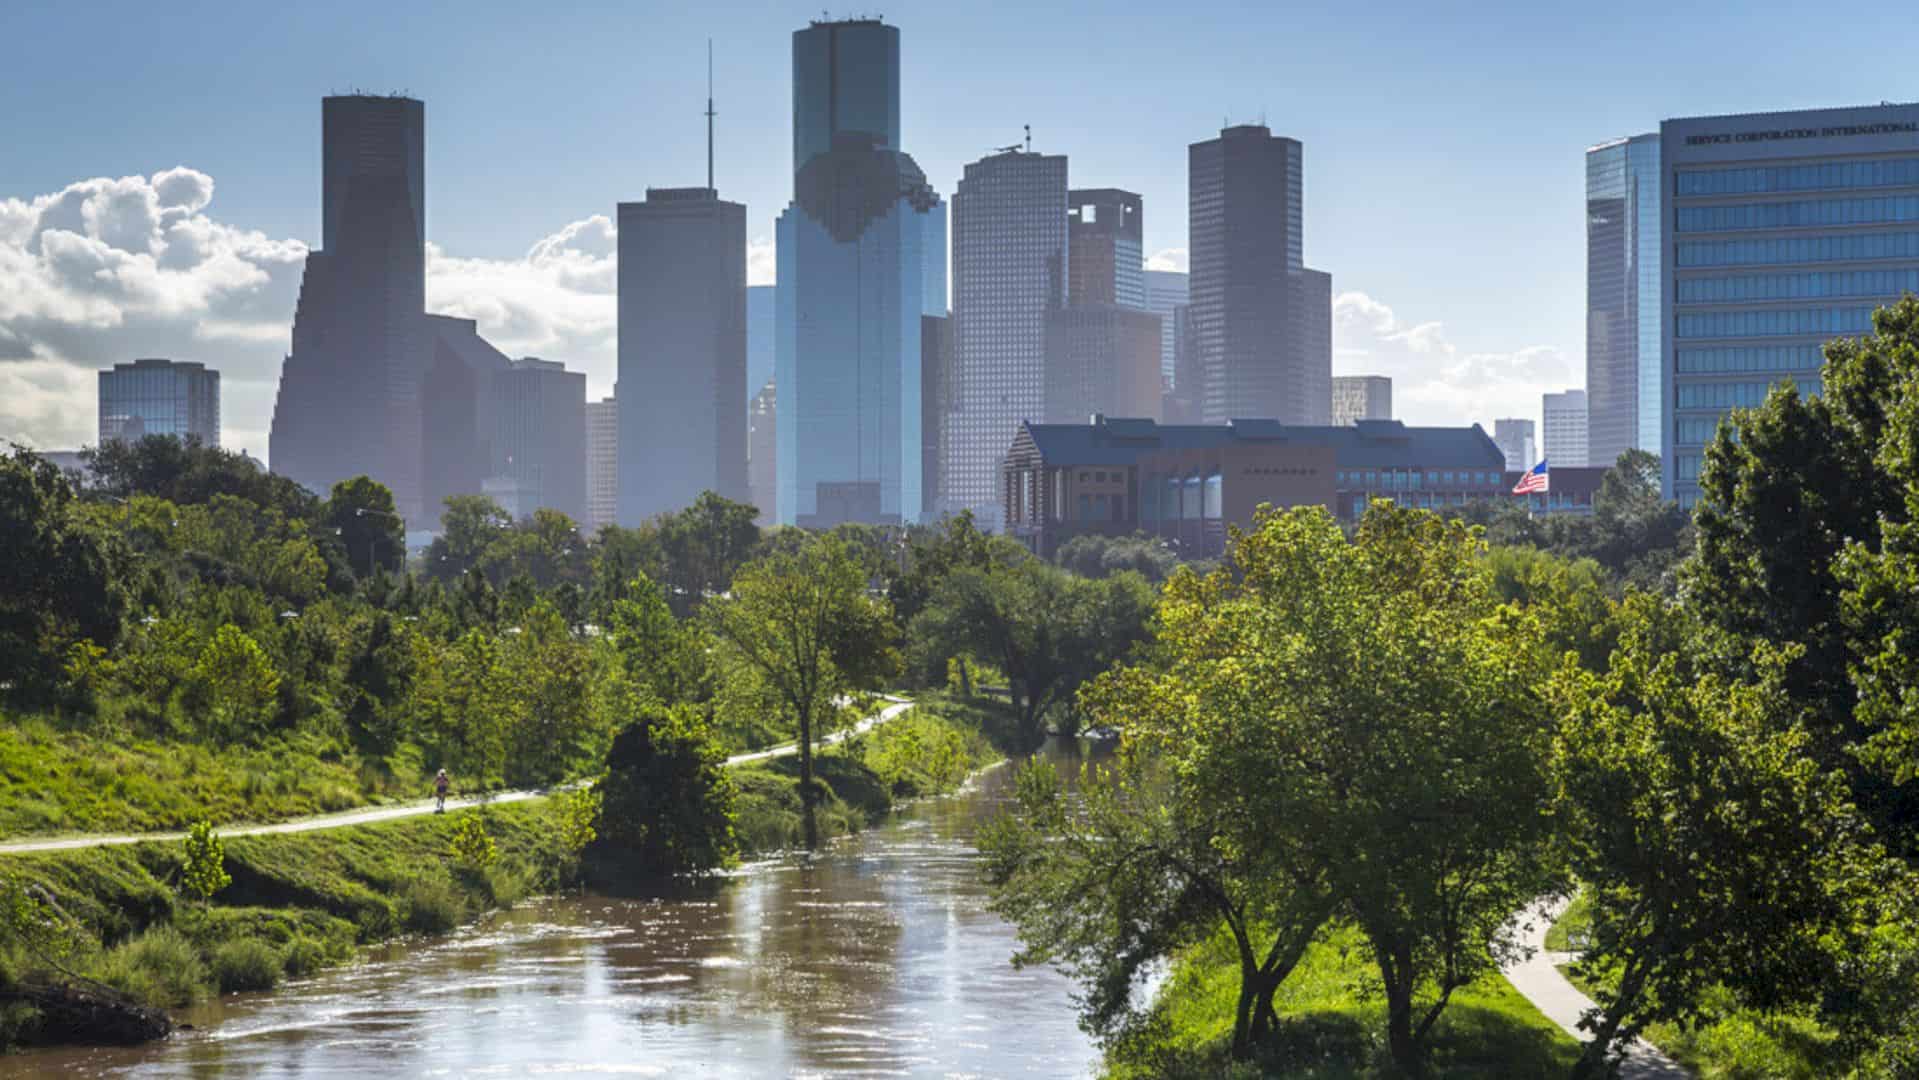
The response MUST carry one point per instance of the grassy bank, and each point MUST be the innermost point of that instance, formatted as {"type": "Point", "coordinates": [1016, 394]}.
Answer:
{"type": "Point", "coordinates": [1330, 1027]}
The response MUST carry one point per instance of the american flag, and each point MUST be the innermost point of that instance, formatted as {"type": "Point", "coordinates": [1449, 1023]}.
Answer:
{"type": "Point", "coordinates": [1534, 480]}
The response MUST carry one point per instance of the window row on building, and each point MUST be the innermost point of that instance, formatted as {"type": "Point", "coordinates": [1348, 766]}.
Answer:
{"type": "Point", "coordinates": [1844, 247]}
{"type": "Point", "coordinates": [1718, 290]}
{"type": "Point", "coordinates": [1895, 172]}
{"type": "Point", "coordinates": [1734, 395]}
{"type": "Point", "coordinates": [1741, 358]}
{"type": "Point", "coordinates": [1774, 323]}
{"type": "Point", "coordinates": [1795, 215]}
{"type": "Point", "coordinates": [1416, 479]}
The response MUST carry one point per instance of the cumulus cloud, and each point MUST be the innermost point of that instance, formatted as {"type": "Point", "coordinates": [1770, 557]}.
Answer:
{"type": "Point", "coordinates": [1435, 381]}
{"type": "Point", "coordinates": [1173, 259]}
{"type": "Point", "coordinates": [762, 262]}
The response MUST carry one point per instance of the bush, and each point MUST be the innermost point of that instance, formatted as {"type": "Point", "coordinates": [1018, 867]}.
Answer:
{"type": "Point", "coordinates": [433, 905]}
{"type": "Point", "coordinates": [160, 967]}
{"type": "Point", "coordinates": [247, 964]}
{"type": "Point", "coordinates": [303, 956]}
{"type": "Point", "coordinates": [506, 884]}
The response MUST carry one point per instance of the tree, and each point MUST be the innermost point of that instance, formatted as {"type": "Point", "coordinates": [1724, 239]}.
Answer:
{"type": "Point", "coordinates": [545, 548]}
{"type": "Point", "coordinates": [1046, 629]}
{"type": "Point", "coordinates": [361, 512]}
{"type": "Point", "coordinates": [666, 802]}
{"type": "Point", "coordinates": [57, 579]}
{"type": "Point", "coordinates": [1372, 710]}
{"type": "Point", "coordinates": [468, 526]}
{"type": "Point", "coordinates": [234, 682]}
{"type": "Point", "coordinates": [703, 546]}
{"type": "Point", "coordinates": [801, 624]}
{"type": "Point", "coordinates": [470, 846]}
{"type": "Point", "coordinates": [1096, 556]}
{"type": "Point", "coordinates": [933, 554]}
{"type": "Point", "coordinates": [664, 660]}
{"type": "Point", "coordinates": [1714, 848]}
{"type": "Point", "coordinates": [203, 862]}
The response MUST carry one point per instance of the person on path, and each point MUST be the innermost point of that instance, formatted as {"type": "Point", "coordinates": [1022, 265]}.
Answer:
{"type": "Point", "coordinates": [440, 785]}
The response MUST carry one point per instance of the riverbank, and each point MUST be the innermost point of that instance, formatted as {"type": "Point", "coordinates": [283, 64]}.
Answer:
{"type": "Point", "coordinates": [301, 902]}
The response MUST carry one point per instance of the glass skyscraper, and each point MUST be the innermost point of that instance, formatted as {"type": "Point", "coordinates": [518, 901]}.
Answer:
{"type": "Point", "coordinates": [1786, 231]}
{"type": "Point", "coordinates": [861, 251]}
{"type": "Point", "coordinates": [1624, 392]}
{"type": "Point", "coordinates": [160, 397]}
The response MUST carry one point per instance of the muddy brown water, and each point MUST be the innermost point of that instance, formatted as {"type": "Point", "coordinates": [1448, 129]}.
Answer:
{"type": "Point", "coordinates": [876, 957]}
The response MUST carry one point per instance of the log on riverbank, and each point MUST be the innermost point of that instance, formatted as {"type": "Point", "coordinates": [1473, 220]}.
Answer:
{"type": "Point", "coordinates": [71, 1014]}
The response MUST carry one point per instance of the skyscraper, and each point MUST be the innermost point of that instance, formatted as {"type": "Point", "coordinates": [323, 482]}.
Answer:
{"type": "Point", "coordinates": [1786, 230]}
{"type": "Point", "coordinates": [1564, 438]}
{"type": "Point", "coordinates": [602, 464]}
{"type": "Point", "coordinates": [539, 438]}
{"type": "Point", "coordinates": [1361, 397]}
{"type": "Point", "coordinates": [350, 391]}
{"type": "Point", "coordinates": [761, 330]}
{"type": "Point", "coordinates": [762, 452]}
{"type": "Point", "coordinates": [160, 397]}
{"type": "Point", "coordinates": [1105, 258]}
{"type": "Point", "coordinates": [858, 249]}
{"type": "Point", "coordinates": [936, 396]}
{"type": "Point", "coordinates": [682, 350]}
{"type": "Point", "coordinates": [1262, 320]}
{"type": "Point", "coordinates": [1623, 384]}
{"type": "Point", "coordinates": [1515, 440]}
{"type": "Point", "coordinates": [1010, 267]}
{"type": "Point", "coordinates": [1101, 358]}
{"type": "Point", "coordinates": [1166, 290]}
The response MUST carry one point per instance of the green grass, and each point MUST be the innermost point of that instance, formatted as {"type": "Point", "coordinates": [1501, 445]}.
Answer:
{"type": "Point", "coordinates": [1732, 1042]}
{"type": "Point", "coordinates": [1331, 1027]}
{"type": "Point", "coordinates": [246, 964]}
{"type": "Point", "coordinates": [1568, 932]}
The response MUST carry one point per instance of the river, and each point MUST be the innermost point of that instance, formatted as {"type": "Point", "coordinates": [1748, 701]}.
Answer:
{"type": "Point", "coordinates": [877, 957]}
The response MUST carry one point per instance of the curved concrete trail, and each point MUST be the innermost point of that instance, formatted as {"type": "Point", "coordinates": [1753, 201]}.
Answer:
{"type": "Point", "coordinates": [371, 815]}
{"type": "Point", "coordinates": [1537, 978]}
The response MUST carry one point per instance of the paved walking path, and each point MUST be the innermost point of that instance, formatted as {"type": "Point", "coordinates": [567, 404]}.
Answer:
{"type": "Point", "coordinates": [1537, 978]}
{"type": "Point", "coordinates": [391, 813]}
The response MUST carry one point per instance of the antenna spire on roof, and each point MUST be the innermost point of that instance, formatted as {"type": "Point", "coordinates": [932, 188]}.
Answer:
{"type": "Point", "coordinates": [709, 114]}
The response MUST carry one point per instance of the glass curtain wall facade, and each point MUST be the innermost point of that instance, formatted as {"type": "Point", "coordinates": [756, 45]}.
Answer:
{"type": "Point", "coordinates": [1786, 230]}
{"type": "Point", "coordinates": [1166, 290]}
{"type": "Point", "coordinates": [1624, 384]}
{"type": "Point", "coordinates": [160, 397]}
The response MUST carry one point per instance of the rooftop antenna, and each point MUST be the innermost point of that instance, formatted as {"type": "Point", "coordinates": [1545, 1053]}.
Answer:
{"type": "Point", "coordinates": [1029, 138]}
{"type": "Point", "coordinates": [709, 114]}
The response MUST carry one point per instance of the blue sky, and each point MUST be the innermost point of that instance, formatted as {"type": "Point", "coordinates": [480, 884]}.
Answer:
{"type": "Point", "coordinates": [1444, 171]}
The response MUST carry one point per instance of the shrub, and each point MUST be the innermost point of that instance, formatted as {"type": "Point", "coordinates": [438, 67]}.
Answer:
{"type": "Point", "coordinates": [472, 847]}
{"type": "Point", "coordinates": [303, 956]}
{"type": "Point", "coordinates": [433, 904]}
{"type": "Point", "coordinates": [247, 964]}
{"type": "Point", "coordinates": [160, 967]}
{"type": "Point", "coordinates": [506, 884]}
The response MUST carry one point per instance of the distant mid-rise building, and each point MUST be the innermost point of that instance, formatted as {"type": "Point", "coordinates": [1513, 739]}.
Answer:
{"type": "Point", "coordinates": [762, 451]}
{"type": "Point", "coordinates": [160, 397]}
{"type": "Point", "coordinates": [762, 329]}
{"type": "Point", "coordinates": [1514, 438]}
{"type": "Point", "coordinates": [1361, 397]}
{"type": "Point", "coordinates": [1010, 268]}
{"type": "Point", "coordinates": [1101, 358]}
{"type": "Point", "coordinates": [682, 351]}
{"type": "Point", "coordinates": [1166, 290]}
{"type": "Point", "coordinates": [1180, 398]}
{"type": "Point", "coordinates": [1563, 438]}
{"type": "Point", "coordinates": [1785, 231]}
{"type": "Point", "coordinates": [1105, 254]}
{"type": "Point", "coordinates": [539, 437]}
{"type": "Point", "coordinates": [936, 397]}
{"type": "Point", "coordinates": [1624, 388]}
{"type": "Point", "coordinates": [1262, 320]}
{"type": "Point", "coordinates": [602, 464]}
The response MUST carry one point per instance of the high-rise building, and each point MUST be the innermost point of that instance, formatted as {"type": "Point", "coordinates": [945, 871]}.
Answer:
{"type": "Point", "coordinates": [602, 464]}
{"type": "Point", "coordinates": [682, 351]}
{"type": "Point", "coordinates": [936, 396]}
{"type": "Point", "coordinates": [1010, 268]}
{"type": "Point", "coordinates": [160, 397]}
{"type": "Point", "coordinates": [1564, 436]}
{"type": "Point", "coordinates": [1166, 290]}
{"type": "Point", "coordinates": [1625, 398]}
{"type": "Point", "coordinates": [1786, 231]}
{"type": "Point", "coordinates": [1361, 397]}
{"type": "Point", "coordinates": [859, 249]}
{"type": "Point", "coordinates": [1101, 358]}
{"type": "Point", "coordinates": [1514, 438]}
{"type": "Point", "coordinates": [1105, 258]}
{"type": "Point", "coordinates": [762, 451]}
{"type": "Point", "coordinates": [1262, 320]}
{"type": "Point", "coordinates": [762, 328]}
{"type": "Point", "coordinates": [350, 396]}
{"type": "Point", "coordinates": [539, 437]}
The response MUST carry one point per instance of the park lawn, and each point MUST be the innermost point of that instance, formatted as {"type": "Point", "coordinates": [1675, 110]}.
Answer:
{"type": "Point", "coordinates": [1330, 1027]}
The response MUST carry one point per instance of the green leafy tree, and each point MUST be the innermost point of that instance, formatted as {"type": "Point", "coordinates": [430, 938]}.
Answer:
{"type": "Point", "coordinates": [667, 803]}
{"type": "Point", "coordinates": [470, 846]}
{"type": "Point", "coordinates": [203, 862]}
{"type": "Point", "coordinates": [234, 683]}
{"type": "Point", "coordinates": [57, 579]}
{"type": "Point", "coordinates": [702, 547]}
{"type": "Point", "coordinates": [801, 626]}
{"type": "Point", "coordinates": [361, 512]}
{"type": "Point", "coordinates": [469, 525]}
{"type": "Point", "coordinates": [1096, 556]}
{"type": "Point", "coordinates": [933, 554]}
{"type": "Point", "coordinates": [663, 659]}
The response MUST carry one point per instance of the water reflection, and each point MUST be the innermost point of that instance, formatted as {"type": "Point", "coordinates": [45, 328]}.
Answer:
{"type": "Point", "coordinates": [876, 958]}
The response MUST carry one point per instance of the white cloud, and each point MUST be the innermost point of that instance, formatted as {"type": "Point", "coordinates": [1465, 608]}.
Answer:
{"type": "Point", "coordinates": [762, 262]}
{"type": "Point", "coordinates": [1173, 259]}
{"type": "Point", "coordinates": [1434, 381]}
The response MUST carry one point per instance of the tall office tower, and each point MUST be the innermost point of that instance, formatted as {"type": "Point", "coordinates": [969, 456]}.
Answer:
{"type": "Point", "coordinates": [602, 464]}
{"type": "Point", "coordinates": [1564, 440]}
{"type": "Point", "coordinates": [682, 351]}
{"type": "Point", "coordinates": [762, 452]}
{"type": "Point", "coordinates": [761, 330]}
{"type": "Point", "coordinates": [350, 391]}
{"type": "Point", "coordinates": [936, 396]}
{"type": "Point", "coordinates": [1104, 258]}
{"type": "Point", "coordinates": [1104, 359]}
{"type": "Point", "coordinates": [1515, 440]}
{"type": "Point", "coordinates": [160, 397]}
{"type": "Point", "coordinates": [1166, 290]}
{"type": "Point", "coordinates": [859, 249]}
{"type": "Point", "coordinates": [539, 439]}
{"type": "Point", "coordinates": [1361, 397]}
{"type": "Point", "coordinates": [1263, 321]}
{"type": "Point", "coordinates": [1623, 383]}
{"type": "Point", "coordinates": [1786, 231]}
{"type": "Point", "coordinates": [1010, 267]}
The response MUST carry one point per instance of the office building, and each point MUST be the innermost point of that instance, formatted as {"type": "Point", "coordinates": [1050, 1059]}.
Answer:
{"type": "Point", "coordinates": [351, 389]}
{"type": "Point", "coordinates": [936, 397]}
{"type": "Point", "coordinates": [1009, 270]}
{"type": "Point", "coordinates": [1180, 399]}
{"type": "Point", "coordinates": [1515, 440]}
{"type": "Point", "coordinates": [1361, 397]}
{"type": "Point", "coordinates": [602, 464]}
{"type": "Point", "coordinates": [762, 452]}
{"type": "Point", "coordinates": [1625, 398]}
{"type": "Point", "coordinates": [859, 249]}
{"type": "Point", "coordinates": [1188, 483]}
{"type": "Point", "coordinates": [1564, 432]}
{"type": "Point", "coordinates": [761, 331]}
{"type": "Point", "coordinates": [160, 397]}
{"type": "Point", "coordinates": [682, 351]}
{"type": "Point", "coordinates": [1104, 240]}
{"type": "Point", "coordinates": [1786, 231]}
{"type": "Point", "coordinates": [1261, 319]}
{"type": "Point", "coordinates": [1166, 290]}
{"type": "Point", "coordinates": [458, 414]}
{"type": "Point", "coordinates": [1101, 358]}
{"type": "Point", "coordinates": [539, 439]}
